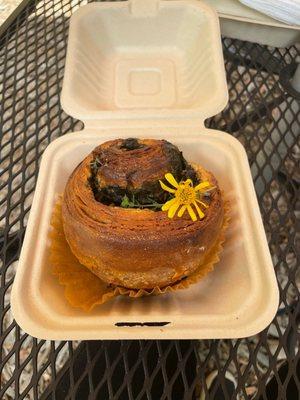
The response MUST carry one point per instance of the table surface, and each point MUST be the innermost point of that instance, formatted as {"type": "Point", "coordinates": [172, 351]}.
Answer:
{"type": "Point", "coordinates": [263, 113]}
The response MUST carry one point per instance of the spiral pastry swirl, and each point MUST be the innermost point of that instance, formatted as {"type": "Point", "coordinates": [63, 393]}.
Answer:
{"type": "Point", "coordinates": [136, 247]}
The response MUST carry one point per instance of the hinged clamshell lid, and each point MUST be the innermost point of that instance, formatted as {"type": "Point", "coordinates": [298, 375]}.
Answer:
{"type": "Point", "coordinates": [144, 60]}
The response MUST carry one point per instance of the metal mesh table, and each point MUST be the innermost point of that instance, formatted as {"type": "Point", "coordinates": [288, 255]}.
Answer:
{"type": "Point", "coordinates": [264, 114]}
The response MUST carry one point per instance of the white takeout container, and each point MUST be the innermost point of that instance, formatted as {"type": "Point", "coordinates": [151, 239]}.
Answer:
{"type": "Point", "coordinates": [241, 22]}
{"type": "Point", "coordinates": [149, 69]}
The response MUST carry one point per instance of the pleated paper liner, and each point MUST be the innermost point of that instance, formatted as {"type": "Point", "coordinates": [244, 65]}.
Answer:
{"type": "Point", "coordinates": [85, 290]}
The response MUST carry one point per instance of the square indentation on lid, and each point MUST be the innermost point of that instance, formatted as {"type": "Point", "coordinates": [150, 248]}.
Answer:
{"type": "Point", "coordinates": [142, 83]}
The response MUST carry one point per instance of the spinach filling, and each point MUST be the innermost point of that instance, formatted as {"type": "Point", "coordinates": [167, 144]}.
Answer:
{"type": "Point", "coordinates": [150, 194]}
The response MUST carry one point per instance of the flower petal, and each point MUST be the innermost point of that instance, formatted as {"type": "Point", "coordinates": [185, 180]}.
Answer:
{"type": "Point", "coordinates": [181, 211]}
{"type": "Point", "coordinates": [191, 212]}
{"type": "Point", "coordinates": [168, 204]}
{"type": "Point", "coordinates": [202, 204]}
{"type": "Point", "coordinates": [200, 213]}
{"type": "Point", "coordinates": [173, 209]}
{"type": "Point", "coordinates": [165, 187]}
{"type": "Point", "coordinates": [202, 185]}
{"type": "Point", "coordinates": [170, 178]}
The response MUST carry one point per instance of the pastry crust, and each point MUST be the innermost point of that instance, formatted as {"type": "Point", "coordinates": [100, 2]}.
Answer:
{"type": "Point", "coordinates": [136, 248]}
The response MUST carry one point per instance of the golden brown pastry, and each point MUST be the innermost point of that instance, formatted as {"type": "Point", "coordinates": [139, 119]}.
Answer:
{"type": "Point", "coordinates": [113, 220]}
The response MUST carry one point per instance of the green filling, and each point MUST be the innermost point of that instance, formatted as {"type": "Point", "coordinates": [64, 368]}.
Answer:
{"type": "Point", "coordinates": [150, 195]}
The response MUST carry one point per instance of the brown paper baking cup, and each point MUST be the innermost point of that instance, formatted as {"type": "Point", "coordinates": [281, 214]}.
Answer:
{"type": "Point", "coordinates": [85, 290]}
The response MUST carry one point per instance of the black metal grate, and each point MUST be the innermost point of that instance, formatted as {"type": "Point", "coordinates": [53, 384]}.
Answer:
{"type": "Point", "coordinates": [264, 114]}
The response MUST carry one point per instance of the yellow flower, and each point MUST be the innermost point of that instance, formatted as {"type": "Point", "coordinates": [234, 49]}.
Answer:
{"type": "Point", "coordinates": [186, 196]}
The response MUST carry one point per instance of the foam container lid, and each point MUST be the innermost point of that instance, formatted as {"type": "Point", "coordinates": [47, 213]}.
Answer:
{"type": "Point", "coordinates": [149, 69]}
